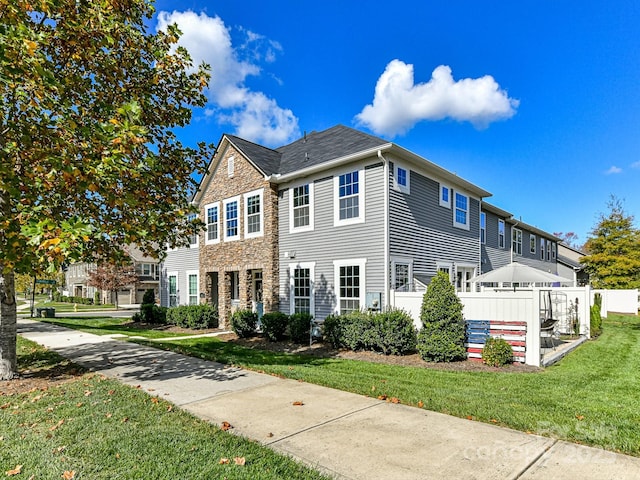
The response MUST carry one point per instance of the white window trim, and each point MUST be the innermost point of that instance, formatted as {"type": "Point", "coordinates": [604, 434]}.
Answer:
{"type": "Point", "coordinates": [533, 242]}
{"type": "Point", "coordinates": [542, 248]}
{"type": "Point", "coordinates": [445, 203]}
{"type": "Point", "coordinates": [169, 275]}
{"type": "Point", "coordinates": [401, 188]}
{"type": "Point", "coordinates": [206, 218]}
{"type": "Point", "coordinates": [197, 274]}
{"type": "Point", "coordinates": [260, 194]}
{"type": "Point", "coordinates": [402, 261]}
{"type": "Point", "coordinates": [312, 274]}
{"type": "Point", "coordinates": [454, 208]}
{"type": "Point", "coordinates": [504, 233]}
{"type": "Point", "coordinates": [306, 228]}
{"type": "Point", "coordinates": [336, 199]}
{"type": "Point", "coordinates": [224, 219]}
{"type": "Point", "coordinates": [514, 236]}
{"type": "Point", "coordinates": [447, 266]}
{"type": "Point", "coordinates": [231, 166]}
{"type": "Point", "coordinates": [360, 262]}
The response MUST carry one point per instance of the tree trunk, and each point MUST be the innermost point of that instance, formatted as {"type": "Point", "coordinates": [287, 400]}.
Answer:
{"type": "Point", "coordinates": [8, 325]}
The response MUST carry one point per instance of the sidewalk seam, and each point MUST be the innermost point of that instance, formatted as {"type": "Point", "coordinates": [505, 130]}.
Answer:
{"type": "Point", "coordinates": [535, 460]}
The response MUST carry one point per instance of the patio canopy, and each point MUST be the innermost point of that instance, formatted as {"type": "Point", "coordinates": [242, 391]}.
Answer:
{"type": "Point", "coordinates": [519, 273]}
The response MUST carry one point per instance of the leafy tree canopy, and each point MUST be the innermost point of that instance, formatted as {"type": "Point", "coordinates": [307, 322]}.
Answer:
{"type": "Point", "coordinates": [613, 249]}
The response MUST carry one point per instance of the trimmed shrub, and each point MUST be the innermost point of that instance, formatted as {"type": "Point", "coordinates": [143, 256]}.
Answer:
{"type": "Point", "coordinates": [497, 352]}
{"type": "Point", "coordinates": [149, 297]}
{"type": "Point", "coordinates": [332, 330]}
{"type": "Point", "coordinates": [152, 313]}
{"type": "Point", "coordinates": [595, 321]}
{"type": "Point", "coordinates": [300, 327]}
{"type": "Point", "coordinates": [193, 316]}
{"type": "Point", "coordinates": [96, 298]}
{"type": "Point", "coordinates": [274, 325]}
{"type": "Point", "coordinates": [356, 330]}
{"type": "Point", "coordinates": [441, 338]}
{"type": "Point", "coordinates": [244, 322]}
{"type": "Point", "coordinates": [393, 332]}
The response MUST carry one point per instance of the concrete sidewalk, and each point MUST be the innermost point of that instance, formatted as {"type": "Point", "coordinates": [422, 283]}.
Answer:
{"type": "Point", "coordinates": [345, 435]}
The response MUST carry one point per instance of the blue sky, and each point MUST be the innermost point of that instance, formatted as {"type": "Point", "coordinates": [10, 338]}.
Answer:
{"type": "Point", "coordinates": [538, 102]}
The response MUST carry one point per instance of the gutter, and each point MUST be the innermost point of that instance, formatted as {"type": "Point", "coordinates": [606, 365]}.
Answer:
{"type": "Point", "coordinates": [385, 162]}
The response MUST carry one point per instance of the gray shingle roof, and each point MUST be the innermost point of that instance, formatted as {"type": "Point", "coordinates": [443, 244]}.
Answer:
{"type": "Point", "coordinates": [314, 149]}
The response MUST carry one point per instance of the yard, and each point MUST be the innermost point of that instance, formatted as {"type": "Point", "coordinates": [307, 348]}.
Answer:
{"type": "Point", "coordinates": [591, 396]}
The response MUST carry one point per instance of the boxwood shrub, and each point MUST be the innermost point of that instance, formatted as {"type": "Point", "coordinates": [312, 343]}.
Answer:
{"type": "Point", "coordinates": [497, 352]}
{"type": "Point", "coordinates": [300, 327]}
{"type": "Point", "coordinates": [193, 316]}
{"type": "Point", "coordinates": [274, 325]}
{"type": "Point", "coordinates": [244, 323]}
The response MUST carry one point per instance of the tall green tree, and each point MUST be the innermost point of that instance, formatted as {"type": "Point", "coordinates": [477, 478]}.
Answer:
{"type": "Point", "coordinates": [613, 249]}
{"type": "Point", "coordinates": [89, 162]}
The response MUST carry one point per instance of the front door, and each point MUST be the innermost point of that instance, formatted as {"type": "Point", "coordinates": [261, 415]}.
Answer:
{"type": "Point", "coordinates": [463, 278]}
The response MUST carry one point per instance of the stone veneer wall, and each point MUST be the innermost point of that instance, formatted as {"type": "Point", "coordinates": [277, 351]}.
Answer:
{"type": "Point", "coordinates": [240, 255]}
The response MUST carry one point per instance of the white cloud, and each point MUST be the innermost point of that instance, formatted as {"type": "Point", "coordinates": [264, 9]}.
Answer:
{"type": "Point", "coordinates": [399, 103]}
{"type": "Point", "coordinates": [635, 164]}
{"type": "Point", "coordinates": [252, 114]}
{"type": "Point", "coordinates": [613, 170]}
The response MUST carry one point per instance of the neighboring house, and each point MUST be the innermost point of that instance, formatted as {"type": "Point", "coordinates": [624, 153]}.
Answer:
{"type": "Point", "coordinates": [505, 239]}
{"type": "Point", "coordinates": [569, 265]}
{"type": "Point", "coordinates": [147, 269]}
{"type": "Point", "coordinates": [330, 223]}
{"type": "Point", "coordinates": [180, 275]}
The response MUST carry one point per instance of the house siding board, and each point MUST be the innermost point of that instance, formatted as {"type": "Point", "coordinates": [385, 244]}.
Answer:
{"type": "Point", "coordinates": [327, 243]}
{"type": "Point", "coordinates": [492, 255]}
{"type": "Point", "coordinates": [178, 261]}
{"type": "Point", "coordinates": [528, 258]}
{"type": "Point", "coordinates": [420, 229]}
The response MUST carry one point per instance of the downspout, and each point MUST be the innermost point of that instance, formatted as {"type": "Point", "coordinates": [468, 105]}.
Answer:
{"type": "Point", "coordinates": [385, 164]}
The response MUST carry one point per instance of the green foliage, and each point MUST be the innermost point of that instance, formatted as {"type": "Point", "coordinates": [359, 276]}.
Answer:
{"type": "Point", "coordinates": [149, 296]}
{"type": "Point", "coordinates": [300, 327]}
{"type": "Point", "coordinates": [58, 297]}
{"type": "Point", "coordinates": [595, 317]}
{"type": "Point", "coordinates": [391, 332]}
{"type": "Point", "coordinates": [193, 316]}
{"type": "Point", "coordinates": [152, 313]}
{"type": "Point", "coordinates": [96, 298]}
{"type": "Point", "coordinates": [497, 352]}
{"type": "Point", "coordinates": [274, 325]}
{"type": "Point", "coordinates": [613, 248]}
{"type": "Point", "coordinates": [244, 322]}
{"type": "Point", "coordinates": [441, 338]}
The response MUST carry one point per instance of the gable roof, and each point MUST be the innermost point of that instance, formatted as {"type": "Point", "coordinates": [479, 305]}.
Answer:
{"type": "Point", "coordinates": [265, 159]}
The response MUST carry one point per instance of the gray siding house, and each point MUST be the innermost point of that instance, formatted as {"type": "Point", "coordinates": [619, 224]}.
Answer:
{"type": "Point", "coordinates": [180, 276]}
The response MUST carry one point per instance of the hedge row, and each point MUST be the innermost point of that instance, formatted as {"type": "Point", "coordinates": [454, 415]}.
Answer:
{"type": "Point", "coordinates": [58, 297]}
{"type": "Point", "coordinates": [275, 325]}
{"type": "Point", "coordinates": [390, 332]}
{"type": "Point", "coordinates": [193, 316]}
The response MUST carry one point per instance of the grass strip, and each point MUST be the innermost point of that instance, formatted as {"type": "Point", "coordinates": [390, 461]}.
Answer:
{"type": "Point", "coordinates": [98, 428]}
{"type": "Point", "coordinates": [110, 326]}
{"type": "Point", "coordinates": [591, 396]}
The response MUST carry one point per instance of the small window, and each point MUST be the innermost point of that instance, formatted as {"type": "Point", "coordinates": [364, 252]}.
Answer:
{"type": "Point", "coordinates": [445, 196]}
{"type": "Point", "coordinates": [212, 217]}
{"type": "Point", "coordinates": [542, 249]}
{"type": "Point", "coordinates": [516, 241]}
{"type": "Point", "coordinates": [461, 211]}
{"type": "Point", "coordinates": [173, 290]}
{"type": "Point", "coordinates": [401, 178]}
{"type": "Point", "coordinates": [192, 285]}
{"type": "Point", "coordinates": [231, 220]}
{"type": "Point", "coordinates": [532, 244]}
{"type": "Point", "coordinates": [483, 227]}
{"type": "Point", "coordinates": [231, 165]}
{"type": "Point", "coordinates": [501, 234]}
{"type": "Point", "coordinates": [401, 277]}
{"type": "Point", "coordinates": [548, 251]}
{"type": "Point", "coordinates": [254, 214]}
{"type": "Point", "coordinates": [553, 251]}
{"type": "Point", "coordinates": [193, 238]}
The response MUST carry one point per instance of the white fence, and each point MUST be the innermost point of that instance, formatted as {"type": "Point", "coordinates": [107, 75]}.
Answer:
{"type": "Point", "coordinates": [526, 305]}
{"type": "Point", "coordinates": [618, 301]}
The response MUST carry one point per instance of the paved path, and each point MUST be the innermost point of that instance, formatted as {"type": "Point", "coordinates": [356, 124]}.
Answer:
{"type": "Point", "coordinates": [345, 435]}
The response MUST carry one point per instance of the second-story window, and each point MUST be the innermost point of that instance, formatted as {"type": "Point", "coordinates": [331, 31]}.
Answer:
{"type": "Point", "coordinates": [401, 178]}
{"type": "Point", "coordinates": [501, 234]}
{"type": "Point", "coordinates": [253, 212]}
{"type": "Point", "coordinates": [516, 241]}
{"type": "Point", "coordinates": [349, 207]}
{"type": "Point", "coordinates": [231, 221]}
{"type": "Point", "coordinates": [483, 227]}
{"type": "Point", "coordinates": [301, 212]}
{"type": "Point", "coordinates": [541, 248]}
{"type": "Point", "coordinates": [212, 213]}
{"type": "Point", "coordinates": [532, 244]}
{"type": "Point", "coordinates": [445, 196]}
{"type": "Point", "coordinates": [193, 238]}
{"type": "Point", "coordinates": [461, 211]}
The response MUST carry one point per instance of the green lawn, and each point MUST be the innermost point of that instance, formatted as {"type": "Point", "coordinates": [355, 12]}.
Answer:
{"type": "Point", "coordinates": [101, 429]}
{"type": "Point", "coordinates": [109, 326]}
{"type": "Point", "coordinates": [591, 397]}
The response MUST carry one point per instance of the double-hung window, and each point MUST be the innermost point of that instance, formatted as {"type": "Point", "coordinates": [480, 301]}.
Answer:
{"type": "Point", "coordinates": [532, 244]}
{"type": "Point", "coordinates": [173, 289]}
{"type": "Point", "coordinates": [301, 208]}
{"type": "Point", "coordinates": [192, 287]}
{"type": "Point", "coordinates": [483, 227]}
{"type": "Point", "coordinates": [350, 283]}
{"type": "Point", "coordinates": [548, 250]}
{"type": "Point", "coordinates": [516, 241]}
{"type": "Point", "coordinates": [501, 234]}
{"type": "Point", "coordinates": [212, 216]}
{"type": "Point", "coordinates": [231, 219]}
{"type": "Point", "coordinates": [253, 214]}
{"type": "Point", "coordinates": [553, 251]}
{"type": "Point", "coordinates": [349, 191]}
{"type": "Point", "coordinates": [541, 248]}
{"type": "Point", "coordinates": [461, 211]}
{"type": "Point", "coordinates": [193, 238]}
{"type": "Point", "coordinates": [302, 294]}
